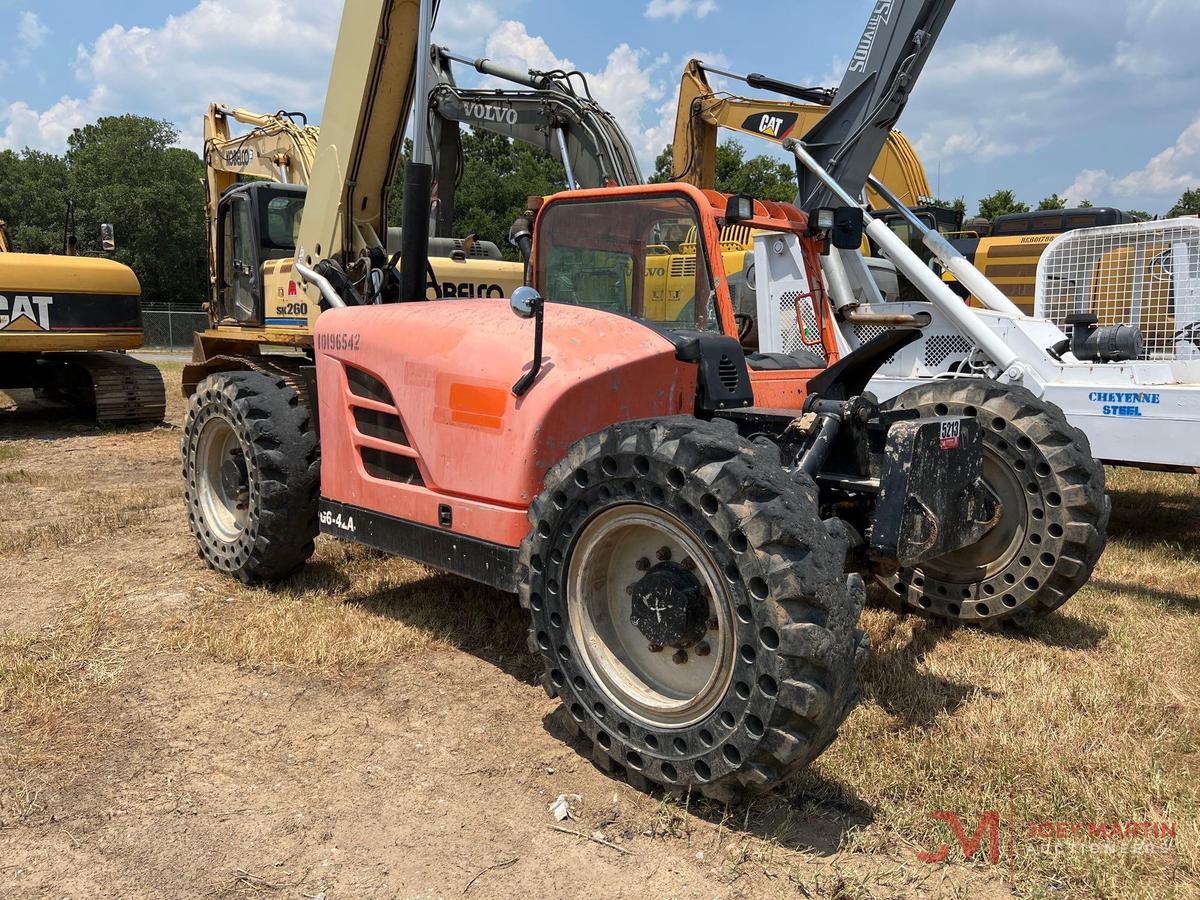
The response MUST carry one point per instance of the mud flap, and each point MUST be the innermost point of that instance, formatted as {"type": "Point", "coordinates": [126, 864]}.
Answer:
{"type": "Point", "coordinates": [932, 499]}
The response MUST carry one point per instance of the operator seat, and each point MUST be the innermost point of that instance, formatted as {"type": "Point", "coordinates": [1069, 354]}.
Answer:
{"type": "Point", "coordinates": [784, 362]}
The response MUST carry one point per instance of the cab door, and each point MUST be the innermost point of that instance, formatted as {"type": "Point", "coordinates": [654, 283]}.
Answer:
{"type": "Point", "coordinates": [239, 267]}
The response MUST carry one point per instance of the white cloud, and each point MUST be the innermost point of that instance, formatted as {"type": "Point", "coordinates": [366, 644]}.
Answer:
{"type": "Point", "coordinates": [629, 86]}
{"type": "Point", "coordinates": [223, 50]}
{"type": "Point", "coordinates": [1164, 178]}
{"type": "Point", "coordinates": [465, 27]}
{"type": "Point", "coordinates": [677, 9]}
{"type": "Point", "coordinates": [30, 31]}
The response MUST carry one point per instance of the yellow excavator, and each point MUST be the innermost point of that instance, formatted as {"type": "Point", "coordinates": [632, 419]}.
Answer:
{"type": "Point", "coordinates": [702, 112]}
{"type": "Point", "coordinates": [66, 323]}
{"type": "Point", "coordinates": [257, 188]}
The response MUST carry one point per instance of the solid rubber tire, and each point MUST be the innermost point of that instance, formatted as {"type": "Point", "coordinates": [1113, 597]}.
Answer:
{"type": "Point", "coordinates": [1061, 546]}
{"type": "Point", "coordinates": [797, 610]}
{"type": "Point", "coordinates": [274, 429]}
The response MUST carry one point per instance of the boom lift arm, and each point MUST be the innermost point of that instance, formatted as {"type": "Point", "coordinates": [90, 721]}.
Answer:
{"type": "Point", "coordinates": [883, 70]}
{"type": "Point", "coordinates": [371, 91]}
{"type": "Point", "coordinates": [702, 112]}
{"type": "Point", "coordinates": [548, 114]}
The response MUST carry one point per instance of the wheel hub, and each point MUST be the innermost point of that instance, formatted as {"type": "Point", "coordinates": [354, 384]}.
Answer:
{"type": "Point", "coordinates": [233, 476]}
{"type": "Point", "coordinates": [668, 606]}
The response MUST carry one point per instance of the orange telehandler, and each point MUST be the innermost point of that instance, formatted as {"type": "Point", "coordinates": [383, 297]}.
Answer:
{"type": "Point", "coordinates": [687, 524]}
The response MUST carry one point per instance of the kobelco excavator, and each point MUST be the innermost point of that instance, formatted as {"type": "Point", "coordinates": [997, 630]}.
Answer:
{"type": "Point", "coordinates": [686, 523]}
{"type": "Point", "coordinates": [66, 323]}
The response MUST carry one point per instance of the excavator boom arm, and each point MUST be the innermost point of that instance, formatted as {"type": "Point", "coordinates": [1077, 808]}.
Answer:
{"type": "Point", "coordinates": [370, 95]}
{"type": "Point", "coordinates": [702, 112]}
{"type": "Point", "coordinates": [883, 71]}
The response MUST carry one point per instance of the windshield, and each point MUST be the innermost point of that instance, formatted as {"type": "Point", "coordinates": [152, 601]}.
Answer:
{"type": "Point", "coordinates": [635, 256]}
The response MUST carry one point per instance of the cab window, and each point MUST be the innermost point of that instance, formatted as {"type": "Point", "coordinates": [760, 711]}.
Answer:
{"type": "Point", "coordinates": [283, 222]}
{"type": "Point", "coordinates": [636, 257]}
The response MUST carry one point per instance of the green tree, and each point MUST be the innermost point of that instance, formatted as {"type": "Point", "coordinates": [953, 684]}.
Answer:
{"type": "Point", "coordinates": [1140, 214]}
{"type": "Point", "coordinates": [759, 176]}
{"type": "Point", "coordinates": [1085, 204]}
{"type": "Point", "coordinates": [958, 204]}
{"type": "Point", "coordinates": [1001, 203]}
{"type": "Point", "coordinates": [126, 170]}
{"type": "Point", "coordinates": [33, 199]}
{"type": "Point", "coordinates": [1053, 202]}
{"type": "Point", "coordinates": [663, 164]}
{"type": "Point", "coordinates": [1188, 205]}
{"type": "Point", "coordinates": [498, 178]}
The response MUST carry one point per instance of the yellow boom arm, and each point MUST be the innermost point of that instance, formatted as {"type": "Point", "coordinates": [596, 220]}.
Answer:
{"type": "Point", "coordinates": [702, 113]}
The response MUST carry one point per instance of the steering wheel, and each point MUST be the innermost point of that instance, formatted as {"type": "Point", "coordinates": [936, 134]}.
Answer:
{"type": "Point", "coordinates": [745, 325]}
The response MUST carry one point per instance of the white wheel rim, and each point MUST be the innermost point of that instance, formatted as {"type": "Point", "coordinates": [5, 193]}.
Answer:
{"type": "Point", "coordinates": [223, 502]}
{"type": "Point", "coordinates": [648, 686]}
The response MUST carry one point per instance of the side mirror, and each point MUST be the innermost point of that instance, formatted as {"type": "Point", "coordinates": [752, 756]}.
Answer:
{"type": "Point", "coordinates": [525, 302]}
{"type": "Point", "coordinates": [843, 226]}
{"type": "Point", "coordinates": [848, 228]}
{"type": "Point", "coordinates": [108, 239]}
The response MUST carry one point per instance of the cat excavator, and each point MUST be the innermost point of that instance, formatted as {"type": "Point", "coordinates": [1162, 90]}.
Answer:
{"type": "Point", "coordinates": [66, 324]}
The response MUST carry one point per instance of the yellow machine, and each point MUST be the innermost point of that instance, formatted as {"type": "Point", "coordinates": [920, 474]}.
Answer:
{"type": "Point", "coordinates": [65, 324]}
{"type": "Point", "coordinates": [702, 112]}
{"type": "Point", "coordinates": [257, 195]}
{"type": "Point", "coordinates": [1010, 253]}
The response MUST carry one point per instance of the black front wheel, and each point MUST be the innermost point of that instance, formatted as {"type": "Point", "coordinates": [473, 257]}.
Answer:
{"type": "Point", "coordinates": [251, 473]}
{"type": "Point", "coordinates": [691, 607]}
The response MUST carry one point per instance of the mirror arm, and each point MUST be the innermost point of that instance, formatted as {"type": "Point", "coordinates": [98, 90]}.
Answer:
{"type": "Point", "coordinates": [522, 387]}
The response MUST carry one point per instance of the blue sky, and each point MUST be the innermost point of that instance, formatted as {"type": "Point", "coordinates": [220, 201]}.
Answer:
{"type": "Point", "coordinates": [1095, 100]}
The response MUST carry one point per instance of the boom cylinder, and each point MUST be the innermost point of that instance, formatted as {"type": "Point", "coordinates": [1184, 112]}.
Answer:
{"type": "Point", "coordinates": [949, 256]}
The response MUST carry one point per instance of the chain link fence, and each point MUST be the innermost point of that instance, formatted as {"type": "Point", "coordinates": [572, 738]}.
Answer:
{"type": "Point", "coordinates": [171, 328]}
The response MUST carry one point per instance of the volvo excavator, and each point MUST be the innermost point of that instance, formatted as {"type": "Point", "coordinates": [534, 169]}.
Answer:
{"type": "Point", "coordinates": [687, 523]}
{"type": "Point", "coordinates": [66, 324]}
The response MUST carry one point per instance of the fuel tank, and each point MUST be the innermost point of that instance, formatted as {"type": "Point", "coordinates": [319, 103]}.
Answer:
{"type": "Point", "coordinates": [418, 419]}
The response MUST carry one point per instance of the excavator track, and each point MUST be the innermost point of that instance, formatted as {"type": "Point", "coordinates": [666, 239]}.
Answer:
{"type": "Point", "coordinates": [122, 390]}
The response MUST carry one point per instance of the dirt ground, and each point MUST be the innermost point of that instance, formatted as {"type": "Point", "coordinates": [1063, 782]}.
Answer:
{"type": "Point", "coordinates": [374, 729]}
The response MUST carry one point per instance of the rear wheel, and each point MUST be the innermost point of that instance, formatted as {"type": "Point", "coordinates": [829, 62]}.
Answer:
{"type": "Point", "coordinates": [251, 471]}
{"type": "Point", "coordinates": [692, 609]}
{"type": "Point", "coordinates": [1054, 525]}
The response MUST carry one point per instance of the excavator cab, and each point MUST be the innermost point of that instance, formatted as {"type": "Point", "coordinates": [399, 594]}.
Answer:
{"type": "Point", "coordinates": [256, 223]}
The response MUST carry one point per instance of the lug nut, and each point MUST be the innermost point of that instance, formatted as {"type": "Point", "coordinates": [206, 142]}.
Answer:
{"type": "Point", "coordinates": [688, 563]}
{"type": "Point", "coordinates": [629, 590]}
{"type": "Point", "coordinates": [664, 554]}
{"type": "Point", "coordinates": [703, 649]}
{"type": "Point", "coordinates": [680, 657]}
{"type": "Point", "coordinates": [642, 564]}
{"type": "Point", "coordinates": [656, 648]}
{"type": "Point", "coordinates": [713, 624]}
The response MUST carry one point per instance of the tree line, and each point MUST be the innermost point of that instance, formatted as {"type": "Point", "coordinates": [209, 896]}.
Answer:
{"type": "Point", "coordinates": [128, 171]}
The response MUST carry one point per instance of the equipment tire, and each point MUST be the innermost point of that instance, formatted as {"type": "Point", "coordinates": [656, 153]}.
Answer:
{"type": "Point", "coordinates": [251, 473]}
{"type": "Point", "coordinates": [786, 651]}
{"type": "Point", "coordinates": [1054, 526]}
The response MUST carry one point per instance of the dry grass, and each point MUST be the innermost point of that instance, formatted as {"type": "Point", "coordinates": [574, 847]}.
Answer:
{"type": "Point", "coordinates": [352, 609]}
{"type": "Point", "coordinates": [93, 515]}
{"type": "Point", "coordinates": [45, 677]}
{"type": "Point", "coordinates": [1094, 716]}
